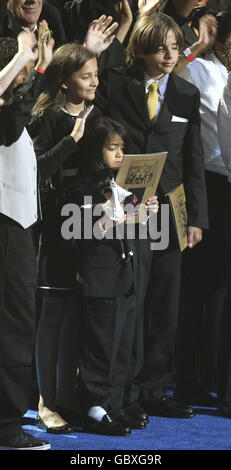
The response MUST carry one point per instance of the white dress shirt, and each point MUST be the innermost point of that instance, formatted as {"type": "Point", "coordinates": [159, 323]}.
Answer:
{"type": "Point", "coordinates": [224, 124]}
{"type": "Point", "coordinates": [18, 181]}
{"type": "Point", "coordinates": [210, 76]}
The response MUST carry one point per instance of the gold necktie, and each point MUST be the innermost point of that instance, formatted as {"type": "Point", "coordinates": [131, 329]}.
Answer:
{"type": "Point", "coordinates": [152, 100]}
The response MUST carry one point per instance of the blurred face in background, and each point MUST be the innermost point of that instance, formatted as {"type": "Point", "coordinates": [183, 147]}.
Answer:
{"type": "Point", "coordinates": [27, 12]}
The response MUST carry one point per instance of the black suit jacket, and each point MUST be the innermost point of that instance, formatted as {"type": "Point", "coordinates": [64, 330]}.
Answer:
{"type": "Point", "coordinates": [100, 269]}
{"type": "Point", "coordinates": [16, 112]}
{"type": "Point", "coordinates": [177, 131]}
{"type": "Point", "coordinates": [9, 27]}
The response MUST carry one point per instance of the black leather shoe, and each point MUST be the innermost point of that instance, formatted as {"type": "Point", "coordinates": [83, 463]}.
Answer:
{"type": "Point", "coordinates": [170, 408]}
{"type": "Point", "coordinates": [108, 426]}
{"type": "Point", "coordinates": [196, 395]}
{"type": "Point", "coordinates": [224, 410]}
{"type": "Point", "coordinates": [134, 410]}
{"type": "Point", "coordinates": [65, 429]}
{"type": "Point", "coordinates": [23, 441]}
{"type": "Point", "coordinates": [130, 421]}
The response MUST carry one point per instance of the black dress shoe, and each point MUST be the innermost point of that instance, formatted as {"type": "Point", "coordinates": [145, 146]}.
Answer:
{"type": "Point", "coordinates": [170, 408]}
{"type": "Point", "coordinates": [23, 441]}
{"type": "Point", "coordinates": [224, 410]}
{"type": "Point", "coordinates": [130, 421]}
{"type": "Point", "coordinates": [134, 410]}
{"type": "Point", "coordinates": [196, 395]}
{"type": "Point", "coordinates": [65, 429]}
{"type": "Point", "coordinates": [108, 426]}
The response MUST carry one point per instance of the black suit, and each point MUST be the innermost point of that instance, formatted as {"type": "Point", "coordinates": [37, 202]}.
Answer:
{"type": "Point", "coordinates": [122, 98]}
{"type": "Point", "coordinates": [9, 27]}
{"type": "Point", "coordinates": [18, 279]}
{"type": "Point", "coordinates": [110, 291]}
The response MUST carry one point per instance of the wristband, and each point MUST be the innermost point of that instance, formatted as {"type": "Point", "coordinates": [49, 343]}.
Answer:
{"type": "Point", "coordinates": [189, 55]}
{"type": "Point", "coordinates": [40, 70]}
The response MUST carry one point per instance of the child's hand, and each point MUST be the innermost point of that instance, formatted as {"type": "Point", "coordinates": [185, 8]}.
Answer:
{"type": "Point", "coordinates": [152, 204]}
{"type": "Point", "coordinates": [27, 46]}
{"type": "Point", "coordinates": [99, 34]}
{"type": "Point", "coordinates": [194, 236]}
{"type": "Point", "coordinates": [79, 126]}
{"type": "Point", "coordinates": [45, 45]}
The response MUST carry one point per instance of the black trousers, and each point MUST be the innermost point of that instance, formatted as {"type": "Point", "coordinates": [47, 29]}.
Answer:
{"type": "Point", "coordinates": [224, 349]}
{"type": "Point", "coordinates": [160, 322]}
{"type": "Point", "coordinates": [108, 332]}
{"type": "Point", "coordinates": [203, 287]}
{"type": "Point", "coordinates": [17, 322]}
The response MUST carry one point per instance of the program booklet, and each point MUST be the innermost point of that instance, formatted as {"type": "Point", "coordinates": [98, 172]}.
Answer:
{"type": "Point", "coordinates": [177, 201]}
{"type": "Point", "coordinates": [140, 174]}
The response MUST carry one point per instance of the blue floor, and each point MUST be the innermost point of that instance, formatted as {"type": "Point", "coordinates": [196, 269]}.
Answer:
{"type": "Point", "coordinates": [206, 431]}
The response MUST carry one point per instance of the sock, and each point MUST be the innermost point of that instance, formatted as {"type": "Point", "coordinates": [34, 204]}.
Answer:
{"type": "Point", "coordinates": [97, 413]}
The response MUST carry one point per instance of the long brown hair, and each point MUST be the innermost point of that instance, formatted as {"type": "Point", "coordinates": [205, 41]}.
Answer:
{"type": "Point", "coordinates": [67, 59]}
{"type": "Point", "coordinates": [148, 34]}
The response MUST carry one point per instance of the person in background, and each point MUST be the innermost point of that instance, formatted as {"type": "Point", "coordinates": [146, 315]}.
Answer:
{"type": "Point", "coordinates": [224, 352]}
{"type": "Point", "coordinates": [202, 293]}
{"type": "Point", "coordinates": [182, 12]}
{"type": "Point", "coordinates": [18, 269]}
{"type": "Point", "coordinates": [25, 15]}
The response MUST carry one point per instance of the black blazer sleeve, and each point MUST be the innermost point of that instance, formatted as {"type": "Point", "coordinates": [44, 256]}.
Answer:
{"type": "Point", "coordinates": [193, 171]}
{"type": "Point", "coordinates": [50, 157]}
{"type": "Point", "coordinates": [16, 112]}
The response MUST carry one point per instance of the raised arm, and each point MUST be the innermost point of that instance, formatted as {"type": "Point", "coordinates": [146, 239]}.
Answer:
{"type": "Point", "coordinates": [125, 20]}
{"type": "Point", "coordinates": [27, 50]}
{"type": "Point", "coordinates": [16, 112]}
{"type": "Point", "coordinates": [207, 36]}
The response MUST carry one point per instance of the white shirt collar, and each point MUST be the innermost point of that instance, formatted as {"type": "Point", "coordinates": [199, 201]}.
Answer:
{"type": "Point", "coordinates": [28, 30]}
{"type": "Point", "coordinates": [162, 83]}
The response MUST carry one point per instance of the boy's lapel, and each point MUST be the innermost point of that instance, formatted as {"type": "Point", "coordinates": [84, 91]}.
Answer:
{"type": "Point", "coordinates": [137, 98]}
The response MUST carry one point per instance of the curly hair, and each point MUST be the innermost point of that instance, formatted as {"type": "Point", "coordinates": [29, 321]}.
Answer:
{"type": "Point", "coordinates": [8, 49]}
{"type": "Point", "coordinates": [228, 52]}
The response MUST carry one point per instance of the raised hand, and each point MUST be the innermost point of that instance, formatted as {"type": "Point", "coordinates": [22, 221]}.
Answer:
{"type": "Point", "coordinates": [79, 127]}
{"type": "Point", "coordinates": [125, 12]}
{"type": "Point", "coordinates": [27, 46]}
{"type": "Point", "coordinates": [100, 34]}
{"type": "Point", "coordinates": [207, 30]}
{"type": "Point", "coordinates": [146, 7]}
{"type": "Point", "coordinates": [45, 45]}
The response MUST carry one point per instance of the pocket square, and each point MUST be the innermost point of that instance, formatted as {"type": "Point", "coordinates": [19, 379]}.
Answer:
{"type": "Point", "coordinates": [179, 119]}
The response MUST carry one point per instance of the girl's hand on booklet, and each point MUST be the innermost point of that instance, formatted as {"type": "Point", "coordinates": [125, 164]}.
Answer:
{"type": "Point", "coordinates": [152, 204]}
{"type": "Point", "coordinates": [194, 236]}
